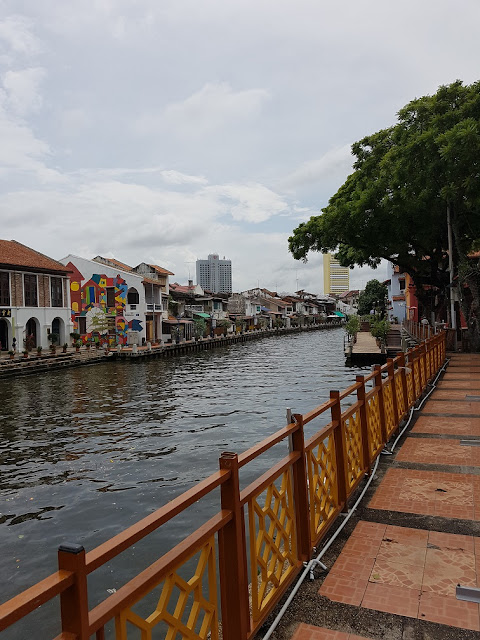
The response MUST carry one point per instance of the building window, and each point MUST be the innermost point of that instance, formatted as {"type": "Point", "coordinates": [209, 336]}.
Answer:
{"type": "Point", "coordinates": [30, 289]}
{"type": "Point", "coordinates": [110, 297]}
{"type": "Point", "coordinates": [82, 325]}
{"type": "Point", "coordinates": [56, 288]}
{"type": "Point", "coordinates": [402, 285]}
{"type": "Point", "coordinates": [4, 289]}
{"type": "Point", "coordinates": [111, 324]}
{"type": "Point", "coordinates": [133, 297]}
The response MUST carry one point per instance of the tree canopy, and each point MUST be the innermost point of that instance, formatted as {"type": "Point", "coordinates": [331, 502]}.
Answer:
{"type": "Point", "coordinates": [393, 206]}
{"type": "Point", "coordinates": [373, 297]}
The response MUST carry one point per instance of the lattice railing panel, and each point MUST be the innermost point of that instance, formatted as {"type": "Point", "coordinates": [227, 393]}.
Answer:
{"type": "Point", "coordinates": [322, 484]}
{"type": "Point", "coordinates": [390, 422]}
{"type": "Point", "coordinates": [400, 397]}
{"type": "Point", "coordinates": [374, 425]}
{"type": "Point", "coordinates": [273, 547]}
{"type": "Point", "coordinates": [416, 371]}
{"type": "Point", "coordinates": [185, 608]}
{"type": "Point", "coordinates": [423, 373]}
{"type": "Point", "coordinates": [410, 390]}
{"type": "Point", "coordinates": [353, 447]}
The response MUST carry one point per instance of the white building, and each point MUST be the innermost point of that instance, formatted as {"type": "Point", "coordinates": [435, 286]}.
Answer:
{"type": "Point", "coordinates": [34, 298]}
{"type": "Point", "coordinates": [214, 274]}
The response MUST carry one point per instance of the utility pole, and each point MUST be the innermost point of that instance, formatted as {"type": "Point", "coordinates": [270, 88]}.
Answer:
{"type": "Point", "coordinates": [453, 319]}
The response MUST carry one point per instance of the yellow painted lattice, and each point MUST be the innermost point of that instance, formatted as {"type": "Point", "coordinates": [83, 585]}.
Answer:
{"type": "Point", "coordinates": [410, 391]}
{"type": "Point", "coordinates": [416, 372]}
{"type": "Point", "coordinates": [400, 397]}
{"type": "Point", "coordinates": [273, 546]}
{"type": "Point", "coordinates": [423, 378]}
{"type": "Point", "coordinates": [375, 441]}
{"type": "Point", "coordinates": [185, 609]}
{"type": "Point", "coordinates": [390, 422]}
{"type": "Point", "coordinates": [322, 485]}
{"type": "Point", "coordinates": [353, 447]}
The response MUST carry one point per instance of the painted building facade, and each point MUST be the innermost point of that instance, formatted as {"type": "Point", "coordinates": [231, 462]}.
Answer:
{"type": "Point", "coordinates": [34, 298]}
{"type": "Point", "coordinates": [108, 304]}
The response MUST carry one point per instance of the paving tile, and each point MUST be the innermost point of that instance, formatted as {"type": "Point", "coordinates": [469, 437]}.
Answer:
{"type": "Point", "coordinates": [362, 547]}
{"type": "Point", "coordinates": [450, 383]}
{"type": "Point", "coordinates": [445, 568]}
{"type": "Point", "coordinates": [451, 541]}
{"type": "Point", "coordinates": [449, 611]}
{"type": "Point", "coordinates": [352, 564]}
{"type": "Point", "coordinates": [341, 587]}
{"type": "Point", "coordinates": [310, 632]}
{"type": "Point", "coordinates": [396, 573]}
{"type": "Point", "coordinates": [370, 530]}
{"type": "Point", "coordinates": [435, 451]}
{"type": "Point", "coordinates": [406, 535]}
{"type": "Point", "coordinates": [402, 553]}
{"type": "Point", "coordinates": [391, 599]}
{"type": "Point", "coordinates": [444, 406]}
{"type": "Point", "coordinates": [447, 425]}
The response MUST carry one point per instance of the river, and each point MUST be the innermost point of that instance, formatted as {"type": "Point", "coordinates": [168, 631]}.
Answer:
{"type": "Point", "coordinates": [86, 452]}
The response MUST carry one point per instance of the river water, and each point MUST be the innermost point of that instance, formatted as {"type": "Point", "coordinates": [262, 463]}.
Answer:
{"type": "Point", "coordinates": [86, 452]}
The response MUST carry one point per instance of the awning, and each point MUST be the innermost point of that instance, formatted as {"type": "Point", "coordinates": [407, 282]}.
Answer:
{"type": "Point", "coordinates": [202, 315]}
{"type": "Point", "coordinates": [182, 321]}
{"type": "Point", "coordinates": [339, 314]}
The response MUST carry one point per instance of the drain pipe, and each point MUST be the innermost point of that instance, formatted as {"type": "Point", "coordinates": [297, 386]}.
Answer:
{"type": "Point", "coordinates": [309, 566]}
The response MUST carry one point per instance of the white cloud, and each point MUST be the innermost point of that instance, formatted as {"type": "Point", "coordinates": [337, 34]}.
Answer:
{"type": "Point", "coordinates": [22, 90]}
{"type": "Point", "coordinates": [17, 36]}
{"type": "Point", "coordinates": [334, 161]}
{"type": "Point", "coordinates": [249, 202]}
{"type": "Point", "coordinates": [213, 107]}
{"type": "Point", "coordinates": [176, 177]}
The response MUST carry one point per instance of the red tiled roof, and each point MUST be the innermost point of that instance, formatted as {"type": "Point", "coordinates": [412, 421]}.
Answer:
{"type": "Point", "coordinates": [161, 270]}
{"type": "Point", "coordinates": [15, 254]}
{"type": "Point", "coordinates": [117, 263]}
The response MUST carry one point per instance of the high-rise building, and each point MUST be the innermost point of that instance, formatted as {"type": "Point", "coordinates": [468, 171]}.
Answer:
{"type": "Point", "coordinates": [214, 274]}
{"type": "Point", "coordinates": [335, 277]}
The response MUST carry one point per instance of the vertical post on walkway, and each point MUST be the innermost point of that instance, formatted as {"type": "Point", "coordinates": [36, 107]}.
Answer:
{"type": "Point", "coordinates": [340, 448]}
{"type": "Point", "coordinates": [364, 422]}
{"type": "Point", "coordinates": [300, 492]}
{"type": "Point", "coordinates": [403, 378]}
{"type": "Point", "coordinates": [74, 600]}
{"type": "Point", "coordinates": [381, 406]}
{"type": "Point", "coordinates": [232, 554]}
{"type": "Point", "coordinates": [391, 376]}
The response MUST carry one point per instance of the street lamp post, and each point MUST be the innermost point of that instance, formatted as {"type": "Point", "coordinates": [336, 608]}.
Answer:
{"type": "Point", "coordinates": [178, 329]}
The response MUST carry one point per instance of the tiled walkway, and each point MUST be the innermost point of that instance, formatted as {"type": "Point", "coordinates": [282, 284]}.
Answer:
{"type": "Point", "coordinates": [408, 571]}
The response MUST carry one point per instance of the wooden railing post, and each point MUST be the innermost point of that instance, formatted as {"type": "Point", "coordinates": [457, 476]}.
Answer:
{"type": "Point", "coordinates": [300, 491]}
{"type": "Point", "coordinates": [381, 406]}
{"type": "Point", "coordinates": [340, 446]}
{"type": "Point", "coordinates": [74, 600]}
{"type": "Point", "coordinates": [364, 422]}
{"type": "Point", "coordinates": [403, 377]}
{"type": "Point", "coordinates": [232, 554]}
{"type": "Point", "coordinates": [391, 376]}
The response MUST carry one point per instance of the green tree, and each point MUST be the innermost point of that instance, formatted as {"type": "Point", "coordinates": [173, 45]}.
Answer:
{"type": "Point", "coordinates": [394, 204]}
{"type": "Point", "coordinates": [373, 297]}
{"type": "Point", "coordinates": [199, 327]}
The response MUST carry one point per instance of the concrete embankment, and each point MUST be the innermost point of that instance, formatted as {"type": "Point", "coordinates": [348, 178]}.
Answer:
{"type": "Point", "coordinates": [34, 363]}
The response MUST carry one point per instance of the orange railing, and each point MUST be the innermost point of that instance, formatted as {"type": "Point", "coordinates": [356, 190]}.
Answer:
{"type": "Point", "coordinates": [286, 512]}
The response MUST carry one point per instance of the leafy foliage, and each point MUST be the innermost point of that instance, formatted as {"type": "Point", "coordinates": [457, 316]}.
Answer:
{"type": "Point", "coordinates": [352, 326]}
{"type": "Point", "coordinates": [394, 204]}
{"type": "Point", "coordinates": [373, 297]}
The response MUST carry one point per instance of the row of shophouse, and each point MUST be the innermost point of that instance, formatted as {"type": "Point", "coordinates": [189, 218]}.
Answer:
{"type": "Point", "coordinates": [44, 300]}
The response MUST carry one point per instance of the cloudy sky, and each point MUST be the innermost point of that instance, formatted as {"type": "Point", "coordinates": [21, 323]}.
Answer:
{"type": "Point", "coordinates": [165, 130]}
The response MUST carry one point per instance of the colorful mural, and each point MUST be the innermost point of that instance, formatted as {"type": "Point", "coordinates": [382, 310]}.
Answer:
{"type": "Point", "coordinates": [91, 297]}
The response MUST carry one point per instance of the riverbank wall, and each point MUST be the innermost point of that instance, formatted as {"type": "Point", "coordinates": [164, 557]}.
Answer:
{"type": "Point", "coordinates": [21, 366]}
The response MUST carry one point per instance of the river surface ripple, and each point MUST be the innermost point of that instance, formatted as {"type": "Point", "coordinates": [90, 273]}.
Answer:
{"type": "Point", "coordinates": [86, 452]}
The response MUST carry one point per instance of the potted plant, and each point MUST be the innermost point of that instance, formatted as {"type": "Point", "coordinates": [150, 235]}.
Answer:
{"type": "Point", "coordinates": [39, 350]}
{"type": "Point", "coordinates": [65, 347]}
{"type": "Point", "coordinates": [25, 353]}
{"type": "Point", "coordinates": [53, 339]}
{"type": "Point", "coordinates": [74, 336]}
{"type": "Point", "coordinates": [78, 344]}
{"type": "Point", "coordinates": [11, 354]}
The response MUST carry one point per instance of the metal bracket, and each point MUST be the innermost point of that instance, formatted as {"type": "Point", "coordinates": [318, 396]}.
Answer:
{"type": "Point", "coordinates": [470, 594]}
